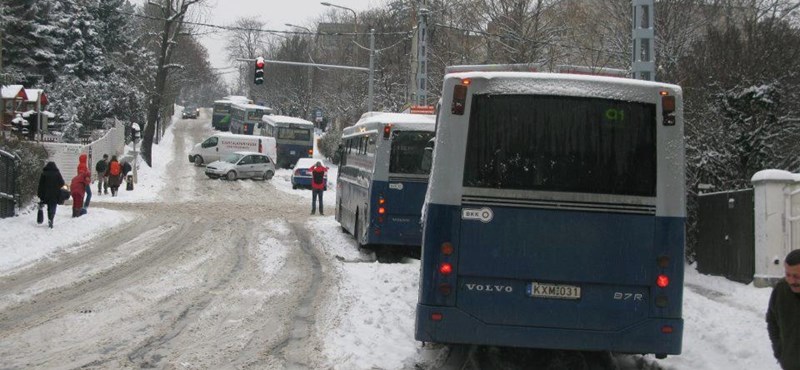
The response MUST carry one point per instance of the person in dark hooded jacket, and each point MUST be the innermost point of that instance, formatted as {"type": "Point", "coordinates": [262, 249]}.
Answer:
{"type": "Point", "coordinates": [50, 183]}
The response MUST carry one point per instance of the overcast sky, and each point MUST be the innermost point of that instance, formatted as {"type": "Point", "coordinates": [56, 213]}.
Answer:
{"type": "Point", "coordinates": [275, 13]}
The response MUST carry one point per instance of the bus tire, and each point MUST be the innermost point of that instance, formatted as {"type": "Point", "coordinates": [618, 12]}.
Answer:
{"type": "Point", "coordinates": [198, 160]}
{"type": "Point", "coordinates": [357, 231]}
{"type": "Point", "coordinates": [231, 175]}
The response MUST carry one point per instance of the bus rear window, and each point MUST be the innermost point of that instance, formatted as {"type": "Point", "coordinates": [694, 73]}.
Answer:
{"type": "Point", "coordinates": [558, 143]}
{"type": "Point", "coordinates": [408, 149]}
{"type": "Point", "coordinates": [294, 134]}
{"type": "Point", "coordinates": [220, 108]}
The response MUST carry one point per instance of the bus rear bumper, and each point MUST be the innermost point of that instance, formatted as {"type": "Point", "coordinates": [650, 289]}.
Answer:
{"type": "Point", "coordinates": [457, 326]}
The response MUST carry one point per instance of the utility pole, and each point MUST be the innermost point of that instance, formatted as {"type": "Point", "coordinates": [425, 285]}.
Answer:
{"type": "Point", "coordinates": [371, 68]}
{"type": "Point", "coordinates": [643, 64]}
{"type": "Point", "coordinates": [421, 98]}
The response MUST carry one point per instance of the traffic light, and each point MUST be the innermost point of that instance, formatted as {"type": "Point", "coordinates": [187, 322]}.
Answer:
{"type": "Point", "coordinates": [258, 78]}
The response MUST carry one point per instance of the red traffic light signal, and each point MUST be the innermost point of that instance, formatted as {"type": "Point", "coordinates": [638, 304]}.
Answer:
{"type": "Point", "coordinates": [258, 77]}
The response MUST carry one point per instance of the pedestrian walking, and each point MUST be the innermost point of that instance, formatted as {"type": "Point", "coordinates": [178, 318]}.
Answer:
{"type": "Point", "coordinates": [49, 192]}
{"type": "Point", "coordinates": [126, 168]}
{"type": "Point", "coordinates": [317, 186]}
{"type": "Point", "coordinates": [83, 167]}
{"type": "Point", "coordinates": [102, 180]}
{"type": "Point", "coordinates": [77, 189]}
{"type": "Point", "coordinates": [783, 315]}
{"type": "Point", "coordinates": [114, 173]}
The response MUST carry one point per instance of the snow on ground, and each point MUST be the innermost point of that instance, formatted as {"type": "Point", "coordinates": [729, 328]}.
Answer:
{"type": "Point", "coordinates": [724, 320]}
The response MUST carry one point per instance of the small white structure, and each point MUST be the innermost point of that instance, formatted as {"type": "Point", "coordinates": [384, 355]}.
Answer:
{"type": "Point", "coordinates": [777, 222]}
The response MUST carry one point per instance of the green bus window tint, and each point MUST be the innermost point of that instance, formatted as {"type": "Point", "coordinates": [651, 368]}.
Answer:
{"type": "Point", "coordinates": [408, 150]}
{"type": "Point", "coordinates": [558, 143]}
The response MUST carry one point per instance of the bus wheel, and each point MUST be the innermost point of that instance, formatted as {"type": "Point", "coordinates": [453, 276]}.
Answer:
{"type": "Point", "coordinates": [231, 175]}
{"type": "Point", "coordinates": [198, 160]}
{"type": "Point", "coordinates": [357, 232]}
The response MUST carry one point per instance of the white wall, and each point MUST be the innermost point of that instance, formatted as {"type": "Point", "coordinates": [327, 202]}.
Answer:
{"type": "Point", "coordinates": [777, 222]}
{"type": "Point", "coordinates": [66, 155]}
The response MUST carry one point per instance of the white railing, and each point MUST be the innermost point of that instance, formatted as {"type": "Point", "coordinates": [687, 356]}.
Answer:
{"type": "Point", "coordinates": [66, 155]}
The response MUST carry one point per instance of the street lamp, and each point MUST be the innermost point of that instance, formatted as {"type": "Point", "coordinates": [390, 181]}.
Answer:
{"type": "Point", "coordinates": [355, 16]}
{"type": "Point", "coordinates": [310, 70]}
{"type": "Point", "coordinates": [296, 26]}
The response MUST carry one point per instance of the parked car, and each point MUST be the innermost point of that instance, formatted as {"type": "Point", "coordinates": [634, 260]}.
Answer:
{"type": "Point", "coordinates": [190, 112]}
{"type": "Point", "coordinates": [241, 165]}
{"type": "Point", "coordinates": [301, 175]}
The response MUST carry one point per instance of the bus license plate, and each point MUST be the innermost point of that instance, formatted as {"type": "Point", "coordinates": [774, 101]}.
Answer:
{"type": "Point", "coordinates": [558, 291]}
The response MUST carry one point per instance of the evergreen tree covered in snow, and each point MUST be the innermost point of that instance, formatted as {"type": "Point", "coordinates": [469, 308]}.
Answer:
{"type": "Point", "coordinates": [30, 41]}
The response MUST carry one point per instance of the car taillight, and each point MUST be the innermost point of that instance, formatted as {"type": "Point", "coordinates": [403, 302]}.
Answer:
{"type": "Point", "coordinates": [297, 172]}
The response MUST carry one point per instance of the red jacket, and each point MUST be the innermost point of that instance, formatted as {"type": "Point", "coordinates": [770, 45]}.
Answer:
{"type": "Point", "coordinates": [78, 184]}
{"type": "Point", "coordinates": [318, 177]}
{"type": "Point", "coordinates": [83, 167]}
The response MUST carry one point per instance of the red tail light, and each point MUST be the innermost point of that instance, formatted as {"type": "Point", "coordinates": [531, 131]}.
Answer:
{"type": "Point", "coordinates": [445, 289]}
{"type": "Point", "coordinates": [437, 316]}
{"type": "Point", "coordinates": [666, 329]}
{"type": "Point", "coordinates": [445, 268]}
{"type": "Point", "coordinates": [387, 130]}
{"type": "Point", "coordinates": [310, 152]}
{"type": "Point", "coordinates": [381, 210]}
{"type": "Point", "coordinates": [662, 281]}
{"type": "Point", "coordinates": [297, 172]}
{"type": "Point", "coordinates": [447, 248]}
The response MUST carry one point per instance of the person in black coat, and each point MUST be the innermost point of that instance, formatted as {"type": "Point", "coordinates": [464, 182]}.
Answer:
{"type": "Point", "coordinates": [50, 183]}
{"type": "Point", "coordinates": [783, 314]}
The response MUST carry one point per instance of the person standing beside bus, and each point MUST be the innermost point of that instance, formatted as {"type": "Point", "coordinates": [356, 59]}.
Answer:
{"type": "Point", "coordinates": [317, 186]}
{"type": "Point", "coordinates": [783, 315]}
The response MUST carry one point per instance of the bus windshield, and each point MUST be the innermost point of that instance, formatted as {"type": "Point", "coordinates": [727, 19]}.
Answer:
{"type": "Point", "coordinates": [561, 143]}
{"type": "Point", "coordinates": [222, 108]}
{"type": "Point", "coordinates": [408, 150]}
{"type": "Point", "coordinates": [286, 133]}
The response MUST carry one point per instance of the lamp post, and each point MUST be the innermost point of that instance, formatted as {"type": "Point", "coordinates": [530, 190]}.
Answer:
{"type": "Point", "coordinates": [355, 15]}
{"type": "Point", "coordinates": [355, 33]}
{"type": "Point", "coordinates": [310, 71]}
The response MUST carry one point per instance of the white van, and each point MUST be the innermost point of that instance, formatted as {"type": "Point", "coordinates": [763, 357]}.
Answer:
{"type": "Point", "coordinates": [219, 145]}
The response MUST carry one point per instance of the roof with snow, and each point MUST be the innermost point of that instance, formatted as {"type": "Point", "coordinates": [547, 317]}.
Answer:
{"type": "Point", "coordinates": [14, 91]}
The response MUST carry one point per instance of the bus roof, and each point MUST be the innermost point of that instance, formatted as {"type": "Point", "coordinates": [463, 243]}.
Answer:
{"type": "Point", "coordinates": [373, 121]}
{"type": "Point", "coordinates": [524, 82]}
{"type": "Point", "coordinates": [238, 98]}
{"type": "Point", "coordinates": [250, 106]}
{"type": "Point", "coordinates": [286, 119]}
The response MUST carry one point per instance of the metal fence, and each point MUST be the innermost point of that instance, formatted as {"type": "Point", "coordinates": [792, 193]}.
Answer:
{"type": "Point", "coordinates": [9, 192]}
{"type": "Point", "coordinates": [726, 240]}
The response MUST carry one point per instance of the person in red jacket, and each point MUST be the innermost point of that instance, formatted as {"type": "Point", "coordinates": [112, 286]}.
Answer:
{"type": "Point", "coordinates": [77, 189]}
{"type": "Point", "coordinates": [83, 167]}
{"type": "Point", "coordinates": [317, 186]}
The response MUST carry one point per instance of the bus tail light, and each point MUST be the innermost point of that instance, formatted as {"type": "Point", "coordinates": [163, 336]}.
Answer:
{"type": "Point", "coordinates": [459, 99]}
{"type": "Point", "coordinates": [387, 131]}
{"type": "Point", "coordinates": [667, 109]}
{"type": "Point", "coordinates": [311, 152]}
{"type": "Point", "coordinates": [381, 210]}
{"type": "Point", "coordinates": [445, 289]}
{"type": "Point", "coordinates": [447, 248]}
{"type": "Point", "coordinates": [437, 316]}
{"type": "Point", "coordinates": [662, 281]}
{"type": "Point", "coordinates": [666, 329]}
{"type": "Point", "coordinates": [445, 268]}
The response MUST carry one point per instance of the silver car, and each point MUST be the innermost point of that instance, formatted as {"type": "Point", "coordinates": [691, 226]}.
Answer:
{"type": "Point", "coordinates": [242, 165]}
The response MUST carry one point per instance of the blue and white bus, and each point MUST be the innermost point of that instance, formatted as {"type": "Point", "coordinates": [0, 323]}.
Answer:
{"type": "Point", "coordinates": [245, 118]}
{"type": "Point", "coordinates": [221, 116]}
{"type": "Point", "coordinates": [383, 177]}
{"type": "Point", "coordinates": [555, 214]}
{"type": "Point", "coordinates": [294, 138]}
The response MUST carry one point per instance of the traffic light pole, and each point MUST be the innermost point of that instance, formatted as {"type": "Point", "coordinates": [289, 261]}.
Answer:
{"type": "Point", "coordinates": [371, 68]}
